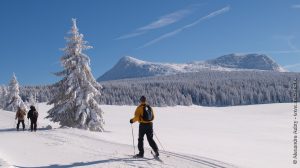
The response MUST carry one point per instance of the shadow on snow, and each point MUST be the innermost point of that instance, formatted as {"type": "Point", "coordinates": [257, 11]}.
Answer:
{"type": "Point", "coordinates": [20, 130]}
{"type": "Point", "coordinates": [129, 159]}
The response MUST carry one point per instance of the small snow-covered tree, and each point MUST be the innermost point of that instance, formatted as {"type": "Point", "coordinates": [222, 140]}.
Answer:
{"type": "Point", "coordinates": [13, 99]}
{"type": "Point", "coordinates": [3, 94]}
{"type": "Point", "coordinates": [31, 100]}
{"type": "Point", "coordinates": [75, 102]}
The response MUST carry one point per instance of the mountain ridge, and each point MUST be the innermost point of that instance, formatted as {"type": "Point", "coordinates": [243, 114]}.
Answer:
{"type": "Point", "coordinates": [130, 67]}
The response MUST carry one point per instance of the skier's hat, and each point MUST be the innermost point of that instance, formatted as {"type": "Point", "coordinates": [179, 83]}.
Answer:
{"type": "Point", "coordinates": [143, 99]}
{"type": "Point", "coordinates": [32, 107]}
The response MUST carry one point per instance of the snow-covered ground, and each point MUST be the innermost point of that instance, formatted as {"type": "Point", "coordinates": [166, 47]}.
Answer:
{"type": "Point", "coordinates": [256, 136]}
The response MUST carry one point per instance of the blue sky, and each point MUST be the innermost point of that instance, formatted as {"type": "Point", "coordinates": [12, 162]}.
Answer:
{"type": "Point", "coordinates": [32, 32]}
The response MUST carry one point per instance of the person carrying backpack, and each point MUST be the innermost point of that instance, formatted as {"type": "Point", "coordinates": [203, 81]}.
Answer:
{"type": "Point", "coordinates": [144, 115]}
{"type": "Point", "coordinates": [20, 115]}
{"type": "Point", "coordinates": [33, 115]}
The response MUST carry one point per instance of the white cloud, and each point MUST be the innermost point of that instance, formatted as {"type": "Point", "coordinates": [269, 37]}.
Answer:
{"type": "Point", "coordinates": [167, 35]}
{"type": "Point", "coordinates": [161, 22]}
{"type": "Point", "coordinates": [292, 66]}
{"type": "Point", "coordinates": [272, 52]}
{"type": "Point", "coordinates": [296, 6]}
{"type": "Point", "coordinates": [161, 38]}
{"type": "Point", "coordinates": [292, 45]}
{"type": "Point", "coordinates": [288, 39]}
{"type": "Point", "coordinates": [167, 20]}
{"type": "Point", "coordinates": [126, 36]}
{"type": "Point", "coordinates": [283, 51]}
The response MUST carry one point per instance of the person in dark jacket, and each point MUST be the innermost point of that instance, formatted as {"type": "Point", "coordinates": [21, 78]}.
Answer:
{"type": "Point", "coordinates": [20, 115]}
{"type": "Point", "coordinates": [145, 127]}
{"type": "Point", "coordinates": [33, 116]}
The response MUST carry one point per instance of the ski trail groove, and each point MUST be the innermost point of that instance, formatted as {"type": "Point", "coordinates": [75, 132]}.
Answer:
{"type": "Point", "coordinates": [201, 161]}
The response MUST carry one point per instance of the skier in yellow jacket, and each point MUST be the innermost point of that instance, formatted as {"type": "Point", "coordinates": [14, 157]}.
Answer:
{"type": "Point", "coordinates": [144, 115]}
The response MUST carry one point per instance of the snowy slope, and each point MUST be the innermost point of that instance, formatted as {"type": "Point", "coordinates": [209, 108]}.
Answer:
{"type": "Point", "coordinates": [67, 147]}
{"type": "Point", "coordinates": [129, 67]}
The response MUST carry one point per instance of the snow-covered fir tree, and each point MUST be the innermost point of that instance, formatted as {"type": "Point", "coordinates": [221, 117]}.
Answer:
{"type": "Point", "coordinates": [75, 101]}
{"type": "Point", "coordinates": [31, 99]}
{"type": "Point", "coordinates": [3, 94]}
{"type": "Point", "coordinates": [13, 99]}
{"type": "Point", "coordinates": [1, 97]}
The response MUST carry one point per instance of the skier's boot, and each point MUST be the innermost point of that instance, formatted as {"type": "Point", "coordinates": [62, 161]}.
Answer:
{"type": "Point", "coordinates": [140, 155]}
{"type": "Point", "coordinates": [156, 154]}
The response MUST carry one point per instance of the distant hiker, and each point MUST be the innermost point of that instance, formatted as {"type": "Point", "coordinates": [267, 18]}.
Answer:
{"type": "Point", "coordinates": [33, 115]}
{"type": "Point", "coordinates": [144, 115]}
{"type": "Point", "coordinates": [20, 115]}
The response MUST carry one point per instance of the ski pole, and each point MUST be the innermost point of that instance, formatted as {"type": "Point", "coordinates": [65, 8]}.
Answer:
{"type": "Point", "coordinates": [159, 142]}
{"type": "Point", "coordinates": [132, 139]}
{"type": "Point", "coordinates": [15, 123]}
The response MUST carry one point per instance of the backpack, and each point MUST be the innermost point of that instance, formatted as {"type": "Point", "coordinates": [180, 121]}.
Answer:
{"type": "Point", "coordinates": [19, 115]}
{"type": "Point", "coordinates": [147, 113]}
{"type": "Point", "coordinates": [35, 115]}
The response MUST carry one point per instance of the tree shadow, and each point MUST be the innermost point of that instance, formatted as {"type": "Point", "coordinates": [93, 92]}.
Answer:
{"type": "Point", "coordinates": [129, 159]}
{"type": "Point", "coordinates": [21, 129]}
{"type": "Point", "coordinates": [8, 130]}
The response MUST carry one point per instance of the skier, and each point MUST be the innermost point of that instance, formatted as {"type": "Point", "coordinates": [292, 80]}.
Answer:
{"type": "Point", "coordinates": [33, 115]}
{"type": "Point", "coordinates": [20, 116]}
{"type": "Point", "coordinates": [144, 115]}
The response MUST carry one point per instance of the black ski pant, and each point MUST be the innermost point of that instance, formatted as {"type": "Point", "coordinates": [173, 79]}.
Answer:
{"type": "Point", "coordinates": [146, 128]}
{"type": "Point", "coordinates": [23, 124]}
{"type": "Point", "coordinates": [33, 125]}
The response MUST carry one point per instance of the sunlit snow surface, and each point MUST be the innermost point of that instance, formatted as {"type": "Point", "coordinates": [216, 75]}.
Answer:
{"type": "Point", "coordinates": [256, 136]}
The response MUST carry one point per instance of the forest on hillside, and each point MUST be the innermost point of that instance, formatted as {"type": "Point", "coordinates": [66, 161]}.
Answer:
{"type": "Point", "coordinates": [207, 88]}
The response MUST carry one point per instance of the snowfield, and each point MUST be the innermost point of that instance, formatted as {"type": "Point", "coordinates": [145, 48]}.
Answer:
{"type": "Point", "coordinates": [256, 136]}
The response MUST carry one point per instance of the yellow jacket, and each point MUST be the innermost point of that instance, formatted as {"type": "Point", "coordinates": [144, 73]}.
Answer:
{"type": "Point", "coordinates": [138, 115]}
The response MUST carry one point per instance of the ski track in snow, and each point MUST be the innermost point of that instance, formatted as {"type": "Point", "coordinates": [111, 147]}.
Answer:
{"type": "Point", "coordinates": [109, 154]}
{"type": "Point", "coordinates": [3, 163]}
{"type": "Point", "coordinates": [68, 147]}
